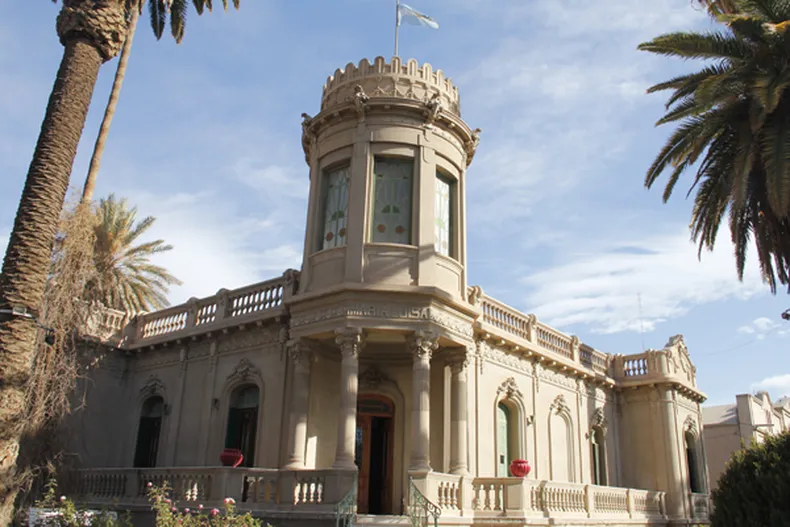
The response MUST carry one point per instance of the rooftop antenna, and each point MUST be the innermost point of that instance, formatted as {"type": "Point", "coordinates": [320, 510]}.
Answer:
{"type": "Point", "coordinates": [641, 325]}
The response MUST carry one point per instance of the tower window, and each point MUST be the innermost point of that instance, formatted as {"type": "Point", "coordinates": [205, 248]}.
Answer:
{"type": "Point", "coordinates": [443, 216]}
{"type": "Point", "coordinates": [335, 215]}
{"type": "Point", "coordinates": [392, 196]}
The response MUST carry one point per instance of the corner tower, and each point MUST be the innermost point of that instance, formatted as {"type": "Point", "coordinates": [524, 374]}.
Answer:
{"type": "Point", "coordinates": [388, 154]}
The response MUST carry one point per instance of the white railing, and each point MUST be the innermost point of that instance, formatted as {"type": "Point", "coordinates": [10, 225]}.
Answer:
{"type": "Point", "coordinates": [493, 497]}
{"type": "Point", "coordinates": [252, 488]}
{"type": "Point", "coordinates": [497, 316]}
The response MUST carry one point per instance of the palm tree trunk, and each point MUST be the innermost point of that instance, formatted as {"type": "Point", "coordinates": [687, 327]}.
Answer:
{"type": "Point", "coordinates": [109, 112]}
{"type": "Point", "coordinates": [88, 31]}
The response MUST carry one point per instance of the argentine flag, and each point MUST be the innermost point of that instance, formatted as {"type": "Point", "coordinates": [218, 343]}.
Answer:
{"type": "Point", "coordinates": [415, 18]}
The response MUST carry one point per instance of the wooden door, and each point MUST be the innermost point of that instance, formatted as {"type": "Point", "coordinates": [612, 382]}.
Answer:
{"type": "Point", "coordinates": [373, 454]}
{"type": "Point", "coordinates": [362, 460]}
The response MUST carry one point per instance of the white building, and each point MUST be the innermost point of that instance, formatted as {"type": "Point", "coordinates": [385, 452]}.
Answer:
{"type": "Point", "coordinates": [377, 363]}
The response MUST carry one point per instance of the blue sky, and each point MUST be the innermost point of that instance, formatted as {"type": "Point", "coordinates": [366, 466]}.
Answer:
{"type": "Point", "coordinates": [207, 139]}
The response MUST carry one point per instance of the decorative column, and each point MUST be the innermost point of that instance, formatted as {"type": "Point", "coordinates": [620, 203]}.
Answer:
{"type": "Point", "coordinates": [301, 355]}
{"type": "Point", "coordinates": [422, 344]}
{"type": "Point", "coordinates": [458, 412]}
{"type": "Point", "coordinates": [351, 342]}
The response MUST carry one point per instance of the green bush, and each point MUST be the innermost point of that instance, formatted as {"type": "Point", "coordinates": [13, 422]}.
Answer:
{"type": "Point", "coordinates": [754, 489]}
{"type": "Point", "coordinates": [167, 511]}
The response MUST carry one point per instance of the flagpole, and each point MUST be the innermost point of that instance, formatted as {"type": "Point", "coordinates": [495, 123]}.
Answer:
{"type": "Point", "coordinates": [397, 25]}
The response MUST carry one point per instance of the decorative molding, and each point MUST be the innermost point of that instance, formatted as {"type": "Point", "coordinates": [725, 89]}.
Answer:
{"type": "Point", "coordinates": [560, 407]}
{"type": "Point", "coordinates": [243, 372]}
{"type": "Point", "coordinates": [423, 344]}
{"type": "Point", "coordinates": [372, 378]}
{"type": "Point", "coordinates": [459, 361]}
{"type": "Point", "coordinates": [475, 295]}
{"type": "Point", "coordinates": [386, 311]}
{"type": "Point", "coordinates": [351, 341]}
{"type": "Point", "coordinates": [503, 358]}
{"type": "Point", "coordinates": [509, 388]}
{"type": "Point", "coordinates": [248, 338]}
{"type": "Point", "coordinates": [153, 386]}
{"type": "Point", "coordinates": [471, 145]}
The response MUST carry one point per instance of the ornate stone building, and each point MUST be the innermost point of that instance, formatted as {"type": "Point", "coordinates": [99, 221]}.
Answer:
{"type": "Point", "coordinates": [375, 378]}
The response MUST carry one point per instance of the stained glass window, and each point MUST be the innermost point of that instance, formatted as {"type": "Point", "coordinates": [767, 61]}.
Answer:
{"type": "Point", "coordinates": [335, 208]}
{"type": "Point", "coordinates": [392, 200]}
{"type": "Point", "coordinates": [443, 231]}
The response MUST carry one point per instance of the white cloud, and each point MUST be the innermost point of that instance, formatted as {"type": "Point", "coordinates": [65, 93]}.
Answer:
{"type": "Point", "coordinates": [777, 386]}
{"type": "Point", "coordinates": [599, 286]}
{"type": "Point", "coordinates": [762, 327]}
{"type": "Point", "coordinates": [214, 245]}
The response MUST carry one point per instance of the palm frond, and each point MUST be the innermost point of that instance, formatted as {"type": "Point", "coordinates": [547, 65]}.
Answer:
{"type": "Point", "coordinates": [699, 46]}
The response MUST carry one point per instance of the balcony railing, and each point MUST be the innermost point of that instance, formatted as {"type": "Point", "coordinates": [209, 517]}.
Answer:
{"type": "Point", "coordinates": [251, 303]}
{"type": "Point", "coordinates": [318, 492]}
{"type": "Point", "coordinates": [494, 497]}
{"type": "Point", "coordinates": [526, 330]}
{"type": "Point", "coordinates": [252, 488]}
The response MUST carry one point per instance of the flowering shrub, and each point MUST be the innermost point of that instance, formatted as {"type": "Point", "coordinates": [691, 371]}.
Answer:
{"type": "Point", "coordinates": [168, 514]}
{"type": "Point", "coordinates": [64, 513]}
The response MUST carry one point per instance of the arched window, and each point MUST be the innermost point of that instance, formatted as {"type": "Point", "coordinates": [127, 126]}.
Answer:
{"type": "Point", "coordinates": [598, 456]}
{"type": "Point", "coordinates": [692, 461]}
{"type": "Point", "coordinates": [508, 432]}
{"type": "Point", "coordinates": [243, 421]}
{"type": "Point", "coordinates": [148, 432]}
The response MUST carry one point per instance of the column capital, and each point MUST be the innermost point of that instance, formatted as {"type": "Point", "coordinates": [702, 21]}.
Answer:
{"type": "Point", "coordinates": [459, 361]}
{"type": "Point", "coordinates": [351, 341]}
{"type": "Point", "coordinates": [423, 343]}
{"type": "Point", "coordinates": [301, 351]}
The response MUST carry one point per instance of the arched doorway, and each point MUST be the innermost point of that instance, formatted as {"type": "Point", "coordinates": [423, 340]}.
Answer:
{"type": "Point", "coordinates": [148, 431]}
{"type": "Point", "coordinates": [243, 422]}
{"type": "Point", "coordinates": [373, 453]}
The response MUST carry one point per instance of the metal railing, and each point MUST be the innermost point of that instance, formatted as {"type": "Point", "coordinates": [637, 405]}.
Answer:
{"type": "Point", "coordinates": [421, 511]}
{"type": "Point", "coordinates": [346, 509]}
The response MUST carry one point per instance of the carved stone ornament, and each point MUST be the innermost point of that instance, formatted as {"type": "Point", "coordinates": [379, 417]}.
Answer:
{"type": "Point", "coordinates": [690, 425]}
{"type": "Point", "coordinates": [371, 378]}
{"type": "Point", "coordinates": [301, 352]}
{"type": "Point", "coordinates": [153, 386]}
{"type": "Point", "coordinates": [350, 340]}
{"type": "Point", "coordinates": [433, 108]}
{"type": "Point", "coordinates": [244, 371]}
{"type": "Point", "coordinates": [559, 406]}
{"type": "Point", "coordinates": [598, 419]}
{"type": "Point", "coordinates": [360, 100]}
{"type": "Point", "coordinates": [472, 144]}
{"type": "Point", "coordinates": [475, 295]}
{"type": "Point", "coordinates": [509, 388]}
{"type": "Point", "coordinates": [423, 343]}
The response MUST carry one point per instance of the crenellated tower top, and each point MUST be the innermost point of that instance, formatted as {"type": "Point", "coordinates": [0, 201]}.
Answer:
{"type": "Point", "coordinates": [390, 79]}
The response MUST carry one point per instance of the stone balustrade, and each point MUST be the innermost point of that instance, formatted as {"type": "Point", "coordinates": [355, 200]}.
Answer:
{"type": "Point", "coordinates": [266, 300]}
{"type": "Point", "coordinates": [253, 303]}
{"type": "Point", "coordinates": [252, 488]}
{"type": "Point", "coordinates": [315, 492]}
{"type": "Point", "coordinates": [521, 497]}
{"type": "Point", "coordinates": [529, 333]}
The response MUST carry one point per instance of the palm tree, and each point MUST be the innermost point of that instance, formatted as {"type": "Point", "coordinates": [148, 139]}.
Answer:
{"type": "Point", "coordinates": [92, 33]}
{"type": "Point", "coordinates": [134, 9]}
{"type": "Point", "coordinates": [717, 7]}
{"type": "Point", "coordinates": [734, 128]}
{"type": "Point", "coordinates": [124, 278]}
